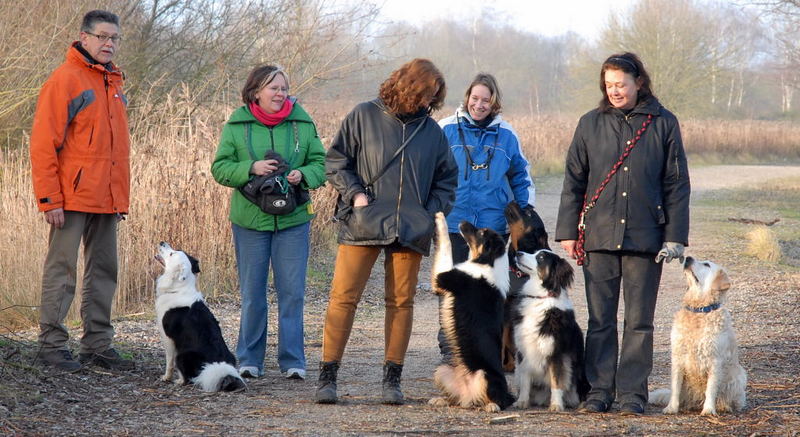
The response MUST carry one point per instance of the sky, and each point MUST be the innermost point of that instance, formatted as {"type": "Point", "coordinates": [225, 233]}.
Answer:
{"type": "Point", "coordinates": [544, 17]}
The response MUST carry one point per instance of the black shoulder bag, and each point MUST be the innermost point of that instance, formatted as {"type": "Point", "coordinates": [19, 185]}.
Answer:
{"type": "Point", "coordinates": [272, 193]}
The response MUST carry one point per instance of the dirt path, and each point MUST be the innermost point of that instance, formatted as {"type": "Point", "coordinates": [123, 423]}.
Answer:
{"type": "Point", "coordinates": [94, 402]}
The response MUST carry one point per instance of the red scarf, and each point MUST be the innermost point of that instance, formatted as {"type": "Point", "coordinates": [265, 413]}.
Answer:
{"type": "Point", "coordinates": [271, 120]}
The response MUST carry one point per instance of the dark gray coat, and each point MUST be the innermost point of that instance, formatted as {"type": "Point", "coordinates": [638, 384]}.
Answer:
{"type": "Point", "coordinates": [647, 201]}
{"type": "Point", "coordinates": [418, 182]}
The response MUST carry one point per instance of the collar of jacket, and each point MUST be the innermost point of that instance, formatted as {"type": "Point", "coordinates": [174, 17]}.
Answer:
{"type": "Point", "coordinates": [463, 114]}
{"type": "Point", "coordinates": [298, 114]}
{"type": "Point", "coordinates": [650, 106]}
{"type": "Point", "coordinates": [379, 103]}
{"type": "Point", "coordinates": [76, 56]}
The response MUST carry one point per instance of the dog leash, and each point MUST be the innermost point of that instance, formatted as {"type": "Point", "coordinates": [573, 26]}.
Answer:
{"type": "Point", "coordinates": [580, 252]}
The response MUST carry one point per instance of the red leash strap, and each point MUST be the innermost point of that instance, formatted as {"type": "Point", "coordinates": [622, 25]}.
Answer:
{"type": "Point", "coordinates": [589, 205]}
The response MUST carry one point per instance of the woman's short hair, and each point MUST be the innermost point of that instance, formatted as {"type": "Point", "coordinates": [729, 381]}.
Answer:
{"type": "Point", "coordinates": [412, 86]}
{"type": "Point", "coordinates": [490, 82]}
{"type": "Point", "coordinates": [258, 79]}
{"type": "Point", "coordinates": [627, 63]}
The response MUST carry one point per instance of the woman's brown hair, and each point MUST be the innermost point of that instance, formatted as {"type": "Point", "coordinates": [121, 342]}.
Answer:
{"type": "Point", "coordinates": [416, 84]}
{"type": "Point", "coordinates": [627, 63]}
{"type": "Point", "coordinates": [489, 82]}
{"type": "Point", "coordinates": [258, 79]}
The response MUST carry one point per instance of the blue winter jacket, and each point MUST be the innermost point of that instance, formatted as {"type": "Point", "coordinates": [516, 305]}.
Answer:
{"type": "Point", "coordinates": [485, 188]}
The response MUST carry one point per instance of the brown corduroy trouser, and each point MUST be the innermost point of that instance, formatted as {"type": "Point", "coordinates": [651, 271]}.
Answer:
{"type": "Point", "coordinates": [353, 267]}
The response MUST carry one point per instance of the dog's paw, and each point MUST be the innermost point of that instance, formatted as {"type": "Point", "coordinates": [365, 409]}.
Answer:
{"type": "Point", "coordinates": [491, 407]}
{"type": "Point", "coordinates": [671, 409]}
{"type": "Point", "coordinates": [708, 411]}
{"type": "Point", "coordinates": [166, 378]}
{"type": "Point", "coordinates": [438, 402]}
{"type": "Point", "coordinates": [522, 404]}
{"type": "Point", "coordinates": [556, 408]}
{"type": "Point", "coordinates": [180, 381]}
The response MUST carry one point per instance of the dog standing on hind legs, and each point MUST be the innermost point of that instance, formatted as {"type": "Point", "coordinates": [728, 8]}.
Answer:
{"type": "Point", "coordinates": [705, 360]}
{"type": "Point", "coordinates": [471, 310]}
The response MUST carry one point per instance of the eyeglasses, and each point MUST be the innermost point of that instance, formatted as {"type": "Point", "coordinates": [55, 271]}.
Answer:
{"type": "Point", "coordinates": [116, 39]}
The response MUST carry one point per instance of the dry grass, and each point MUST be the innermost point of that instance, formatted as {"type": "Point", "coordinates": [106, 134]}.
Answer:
{"type": "Point", "coordinates": [174, 197]}
{"type": "Point", "coordinates": [763, 244]}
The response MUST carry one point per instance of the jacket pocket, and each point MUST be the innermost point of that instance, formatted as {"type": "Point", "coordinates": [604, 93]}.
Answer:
{"type": "Point", "coordinates": [657, 210]}
{"type": "Point", "coordinates": [77, 179]}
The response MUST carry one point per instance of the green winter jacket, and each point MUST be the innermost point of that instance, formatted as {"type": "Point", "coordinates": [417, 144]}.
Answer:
{"type": "Point", "coordinates": [232, 163]}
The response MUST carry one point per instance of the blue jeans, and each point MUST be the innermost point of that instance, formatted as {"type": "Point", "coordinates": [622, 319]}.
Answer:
{"type": "Point", "coordinates": [287, 250]}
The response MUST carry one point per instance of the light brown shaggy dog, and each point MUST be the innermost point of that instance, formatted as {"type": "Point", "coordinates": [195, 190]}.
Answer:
{"type": "Point", "coordinates": [705, 360]}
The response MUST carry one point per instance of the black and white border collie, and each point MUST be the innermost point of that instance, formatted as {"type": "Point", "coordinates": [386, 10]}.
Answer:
{"type": "Point", "coordinates": [193, 342]}
{"type": "Point", "coordinates": [549, 363]}
{"type": "Point", "coordinates": [471, 311]}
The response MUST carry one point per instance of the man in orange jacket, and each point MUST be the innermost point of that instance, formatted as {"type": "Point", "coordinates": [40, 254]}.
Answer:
{"type": "Point", "coordinates": [81, 178]}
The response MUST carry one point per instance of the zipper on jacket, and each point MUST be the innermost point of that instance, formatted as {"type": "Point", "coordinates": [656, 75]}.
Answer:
{"type": "Point", "coordinates": [400, 191]}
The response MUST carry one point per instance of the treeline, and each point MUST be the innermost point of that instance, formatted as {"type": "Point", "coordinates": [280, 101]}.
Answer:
{"type": "Point", "coordinates": [707, 59]}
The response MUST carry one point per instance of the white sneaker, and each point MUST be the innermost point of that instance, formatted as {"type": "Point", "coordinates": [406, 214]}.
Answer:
{"type": "Point", "coordinates": [295, 374]}
{"type": "Point", "coordinates": [248, 372]}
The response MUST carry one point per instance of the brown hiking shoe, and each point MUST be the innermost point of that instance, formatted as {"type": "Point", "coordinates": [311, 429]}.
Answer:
{"type": "Point", "coordinates": [108, 359]}
{"type": "Point", "coordinates": [61, 359]}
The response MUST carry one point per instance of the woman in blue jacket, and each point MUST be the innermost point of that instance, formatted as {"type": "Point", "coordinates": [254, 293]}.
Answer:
{"type": "Point", "coordinates": [492, 171]}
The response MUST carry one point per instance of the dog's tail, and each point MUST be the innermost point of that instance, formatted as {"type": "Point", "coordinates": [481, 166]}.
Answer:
{"type": "Point", "coordinates": [219, 376]}
{"type": "Point", "coordinates": [659, 397]}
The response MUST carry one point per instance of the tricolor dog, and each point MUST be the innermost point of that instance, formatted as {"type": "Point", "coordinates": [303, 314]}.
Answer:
{"type": "Point", "coordinates": [550, 361]}
{"type": "Point", "coordinates": [193, 342]}
{"type": "Point", "coordinates": [471, 311]}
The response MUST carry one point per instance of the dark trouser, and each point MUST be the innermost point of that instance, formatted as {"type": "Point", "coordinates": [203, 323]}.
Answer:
{"type": "Point", "coordinates": [99, 235]}
{"type": "Point", "coordinates": [641, 276]}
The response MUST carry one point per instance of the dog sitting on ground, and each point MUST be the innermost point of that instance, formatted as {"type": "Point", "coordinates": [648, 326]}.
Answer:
{"type": "Point", "coordinates": [705, 360]}
{"type": "Point", "coordinates": [471, 310]}
{"type": "Point", "coordinates": [193, 342]}
{"type": "Point", "coordinates": [549, 360]}
{"type": "Point", "coordinates": [526, 234]}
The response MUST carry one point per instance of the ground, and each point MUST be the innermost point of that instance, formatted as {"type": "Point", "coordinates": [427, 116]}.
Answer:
{"type": "Point", "coordinates": [764, 303]}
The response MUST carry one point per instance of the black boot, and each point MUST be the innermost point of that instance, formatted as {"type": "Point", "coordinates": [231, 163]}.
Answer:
{"type": "Point", "coordinates": [391, 383]}
{"type": "Point", "coordinates": [326, 387]}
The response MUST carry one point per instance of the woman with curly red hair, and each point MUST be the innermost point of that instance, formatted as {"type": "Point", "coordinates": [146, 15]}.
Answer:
{"type": "Point", "coordinates": [392, 166]}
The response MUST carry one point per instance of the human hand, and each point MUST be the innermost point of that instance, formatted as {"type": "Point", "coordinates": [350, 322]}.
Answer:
{"type": "Point", "coordinates": [360, 199]}
{"type": "Point", "coordinates": [264, 167]}
{"type": "Point", "coordinates": [670, 251]}
{"type": "Point", "coordinates": [570, 247]}
{"type": "Point", "coordinates": [294, 177]}
{"type": "Point", "coordinates": [55, 217]}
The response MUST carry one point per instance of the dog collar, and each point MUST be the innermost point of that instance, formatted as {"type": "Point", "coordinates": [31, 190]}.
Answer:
{"type": "Point", "coordinates": [705, 309]}
{"type": "Point", "coordinates": [549, 294]}
{"type": "Point", "coordinates": [517, 272]}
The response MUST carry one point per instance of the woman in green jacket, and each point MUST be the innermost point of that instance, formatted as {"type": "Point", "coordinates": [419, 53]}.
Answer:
{"type": "Point", "coordinates": [270, 120]}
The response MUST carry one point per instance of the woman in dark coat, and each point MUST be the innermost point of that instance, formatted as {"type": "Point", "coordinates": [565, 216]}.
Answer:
{"type": "Point", "coordinates": [392, 166]}
{"type": "Point", "coordinates": [619, 217]}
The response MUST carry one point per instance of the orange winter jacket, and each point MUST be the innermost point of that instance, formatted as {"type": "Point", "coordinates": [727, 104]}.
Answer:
{"type": "Point", "coordinates": [80, 146]}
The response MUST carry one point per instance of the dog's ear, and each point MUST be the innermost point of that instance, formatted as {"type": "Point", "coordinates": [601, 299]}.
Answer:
{"type": "Point", "coordinates": [561, 274]}
{"type": "Point", "coordinates": [721, 281]}
{"type": "Point", "coordinates": [195, 264]}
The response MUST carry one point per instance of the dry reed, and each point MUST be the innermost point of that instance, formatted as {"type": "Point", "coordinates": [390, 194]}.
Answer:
{"type": "Point", "coordinates": [763, 244]}
{"type": "Point", "coordinates": [174, 197]}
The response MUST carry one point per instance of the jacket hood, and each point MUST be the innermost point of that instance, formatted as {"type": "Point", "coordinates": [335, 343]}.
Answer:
{"type": "Point", "coordinates": [242, 114]}
{"type": "Point", "coordinates": [462, 112]}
